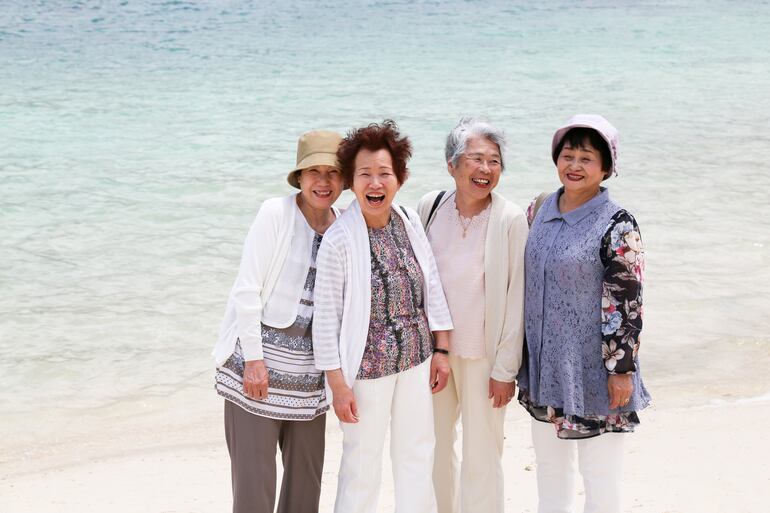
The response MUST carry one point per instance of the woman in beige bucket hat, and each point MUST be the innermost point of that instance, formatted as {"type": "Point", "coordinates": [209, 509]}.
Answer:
{"type": "Point", "coordinates": [274, 396]}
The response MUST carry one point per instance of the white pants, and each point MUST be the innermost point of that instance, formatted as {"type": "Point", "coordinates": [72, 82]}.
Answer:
{"type": "Point", "coordinates": [599, 459]}
{"type": "Point", "coordinates": [480, 475]}
{"type": "Point", "coordinates": [404, 401]}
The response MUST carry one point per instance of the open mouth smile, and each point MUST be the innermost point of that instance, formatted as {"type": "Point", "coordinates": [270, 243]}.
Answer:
{"type": "Point", "coordinates": [481, 182]}
{"type": "Point", "coordinates": [375, 200]}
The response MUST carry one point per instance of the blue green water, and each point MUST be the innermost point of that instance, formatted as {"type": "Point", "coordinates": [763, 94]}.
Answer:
{"type": "Point", "coordinates": [137, 139]}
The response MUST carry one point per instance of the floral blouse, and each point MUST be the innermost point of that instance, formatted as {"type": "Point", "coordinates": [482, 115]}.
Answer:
{"type": "Point", "coordinates": [623, 260]}
{"type": "Point", "coordinates": [399, 337]}
{"type": "Point", "coordinates": [622, 256]}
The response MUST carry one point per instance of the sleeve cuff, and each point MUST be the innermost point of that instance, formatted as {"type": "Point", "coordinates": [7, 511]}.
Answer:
{"type": "Point", "coordinates": [328, 366]}
{"type": "Point", "coordinates": [503, 377]}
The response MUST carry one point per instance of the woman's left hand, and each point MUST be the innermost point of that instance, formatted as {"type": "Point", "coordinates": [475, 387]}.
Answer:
{"type": "Point", "coordinates": [620, 388]}
{"type": "Point", "coordinates": [501, 392]}
{"type": "Point", "coordinates": [439, 372]}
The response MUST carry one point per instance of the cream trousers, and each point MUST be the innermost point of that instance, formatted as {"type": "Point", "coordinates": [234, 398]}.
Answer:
{"type": "Point", "coordinates": [476, 484]}
{"type": "Point", "coordinates": [404, 402]}
{"type": "Point", "coordinates": [599, 460]}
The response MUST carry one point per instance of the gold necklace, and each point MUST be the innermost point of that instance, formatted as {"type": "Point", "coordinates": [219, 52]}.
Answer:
{"type": "Point", "coordinates": [464, 223]}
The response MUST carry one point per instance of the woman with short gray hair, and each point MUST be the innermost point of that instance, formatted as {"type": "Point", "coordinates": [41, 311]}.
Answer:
{"type": "Point", "coordinates": [467, 128]}
{"type": "Point", "coordinates": [478, 239]}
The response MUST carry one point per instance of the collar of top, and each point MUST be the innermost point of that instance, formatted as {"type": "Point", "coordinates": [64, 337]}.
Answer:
{"type": "Point", "coordinates": [551, 208]}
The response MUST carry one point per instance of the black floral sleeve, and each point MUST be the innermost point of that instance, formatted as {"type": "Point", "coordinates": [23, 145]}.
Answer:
{"type": "Point", "coordinates": [623, 258]}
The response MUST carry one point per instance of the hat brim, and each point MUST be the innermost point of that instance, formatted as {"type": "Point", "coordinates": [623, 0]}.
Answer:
{"type": "Point", "coordinates": [314, 159]}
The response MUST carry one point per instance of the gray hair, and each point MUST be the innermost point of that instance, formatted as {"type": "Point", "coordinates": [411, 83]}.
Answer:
{"type": "Point", "coordinates": [457, 140]}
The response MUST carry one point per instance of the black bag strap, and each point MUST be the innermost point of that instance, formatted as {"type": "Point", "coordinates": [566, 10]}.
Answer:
{"type": "Point", "coordinates": [435, 206]}
{"type": "Point", "coordinates": [404, 211]}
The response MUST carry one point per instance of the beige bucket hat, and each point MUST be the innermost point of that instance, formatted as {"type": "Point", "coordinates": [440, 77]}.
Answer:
{"type": "Point", "coordinates": [315, 148]}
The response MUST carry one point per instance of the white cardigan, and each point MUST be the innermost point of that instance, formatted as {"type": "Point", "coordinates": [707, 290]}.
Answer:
{"type": "Point", "coordinates": [343, 290]}
{"type": "Point", "coordinates": [251, 301]}
{"type": "Point", "coordinates": [503, 284]}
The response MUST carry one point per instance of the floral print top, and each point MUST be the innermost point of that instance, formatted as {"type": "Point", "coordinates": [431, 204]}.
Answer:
{"type": "Point", "coordinates": [621, 257]}
{"type": "Point", "coordinates": [399, 336]}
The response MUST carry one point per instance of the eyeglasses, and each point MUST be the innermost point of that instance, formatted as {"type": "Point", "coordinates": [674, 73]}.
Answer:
{"type": "Point", "coordinates": [492, 163]}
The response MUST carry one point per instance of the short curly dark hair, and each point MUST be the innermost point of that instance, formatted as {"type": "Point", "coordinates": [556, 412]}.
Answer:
{"type": "Point", "coordinates": [373, 137]}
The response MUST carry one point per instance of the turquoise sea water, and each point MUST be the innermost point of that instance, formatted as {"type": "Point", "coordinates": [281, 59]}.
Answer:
{"type": "Point", "coordinates": [138, 138]}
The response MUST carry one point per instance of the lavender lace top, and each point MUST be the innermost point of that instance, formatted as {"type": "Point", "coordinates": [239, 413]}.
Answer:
{"type": "Point", "coordinates": [583, 316]}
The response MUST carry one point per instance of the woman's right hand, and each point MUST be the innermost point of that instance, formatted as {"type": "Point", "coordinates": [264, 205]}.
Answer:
{"type": "Point", "coordinates": [344, 402]}
{"type": "Point", "coordinates": [255, 379]}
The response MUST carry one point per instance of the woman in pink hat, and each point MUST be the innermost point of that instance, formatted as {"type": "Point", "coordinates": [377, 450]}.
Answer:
{"type": "Point", "coordinates": [274, 395]}
{"type": "Point", "coordinates": [581, 381]}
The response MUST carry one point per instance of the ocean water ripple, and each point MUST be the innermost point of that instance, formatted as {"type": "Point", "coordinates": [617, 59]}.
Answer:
{"type": "Point", "coordinates": [138, 138]}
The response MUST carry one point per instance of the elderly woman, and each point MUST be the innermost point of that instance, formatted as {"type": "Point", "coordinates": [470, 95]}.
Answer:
{"type": "Point", "coordinates": [273, 393]}
{"type": "Point", "coordinates": [378, 298]}
{"type": "Point", "coordinates": [583, 314]}
{"type": "Point", "coordinates": [478, 239]}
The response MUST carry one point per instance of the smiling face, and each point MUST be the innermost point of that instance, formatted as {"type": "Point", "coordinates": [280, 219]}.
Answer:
{"type": "Point", "coordinates": [580, 168]}
{"type": "Point", "coordinates": [375, 185]}
{"type": "Point", "coordinates": [478, 169]}
{"type": "Point", "coordinates": [320, 186]}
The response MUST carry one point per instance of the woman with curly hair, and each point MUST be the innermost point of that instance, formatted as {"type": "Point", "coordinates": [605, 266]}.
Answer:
{"type": "Point", "coordinates": [380, 316]}
{"type": "Point", "coordinates": [581, 381]}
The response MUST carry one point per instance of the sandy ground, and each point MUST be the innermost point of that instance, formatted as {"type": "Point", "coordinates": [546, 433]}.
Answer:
{"type": "Point", "coordinates": [155, 458]}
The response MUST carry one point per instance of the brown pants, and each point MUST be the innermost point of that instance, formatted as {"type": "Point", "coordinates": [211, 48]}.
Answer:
{"type": "Point", "coordinates": [252, 439]}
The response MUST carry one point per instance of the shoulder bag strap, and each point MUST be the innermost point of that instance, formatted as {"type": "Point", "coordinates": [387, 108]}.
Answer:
{"type": "Point", "coordinates": [435, 206]}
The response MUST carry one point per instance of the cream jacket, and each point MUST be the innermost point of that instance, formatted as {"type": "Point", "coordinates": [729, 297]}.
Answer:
{"type": "Point", "coordinates": [251, 301]}
{"type": "Point", "coordinates": [343, 290]}
{"type": "Point", "coordinates": [503, 284]}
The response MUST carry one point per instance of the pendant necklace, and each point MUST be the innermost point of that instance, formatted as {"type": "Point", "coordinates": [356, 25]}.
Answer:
{"type": "Point", "coordinates": [464, 223]}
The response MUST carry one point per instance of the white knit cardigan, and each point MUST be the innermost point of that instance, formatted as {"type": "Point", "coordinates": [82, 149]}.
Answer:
{"type": "Point", "coordinates": [343, 290]}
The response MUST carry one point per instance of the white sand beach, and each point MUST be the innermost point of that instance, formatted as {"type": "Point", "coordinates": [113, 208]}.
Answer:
{"type": "Point", "coordinates": [155, 457]}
